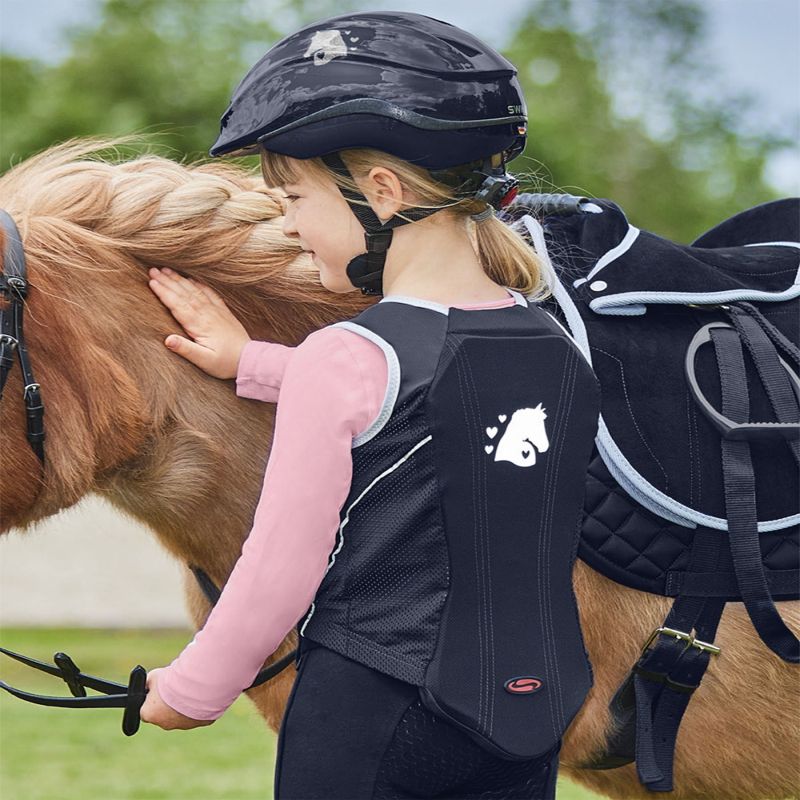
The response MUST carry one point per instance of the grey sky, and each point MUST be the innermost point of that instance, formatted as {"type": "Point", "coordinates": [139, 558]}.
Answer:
{"type": "Point", "coordinates": [756, 46]}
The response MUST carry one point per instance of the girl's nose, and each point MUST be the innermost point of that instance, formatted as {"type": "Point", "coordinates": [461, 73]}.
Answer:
{"type": "Point", "coordinates": [289, 228]}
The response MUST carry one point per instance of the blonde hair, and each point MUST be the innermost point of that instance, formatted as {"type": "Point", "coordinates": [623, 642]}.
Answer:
{"type": "Point", "coordinates": [505, 256]}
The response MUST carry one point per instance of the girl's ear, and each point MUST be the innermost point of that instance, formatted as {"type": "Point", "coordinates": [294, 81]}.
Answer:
{"type": "Point", "coordinates": [385, 193]}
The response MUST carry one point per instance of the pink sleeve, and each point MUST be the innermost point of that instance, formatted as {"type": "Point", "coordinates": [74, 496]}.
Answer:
{"type": "Point", "coordinates": [260, 370]}
{"type": "Point", "coordinates": [332, 390]}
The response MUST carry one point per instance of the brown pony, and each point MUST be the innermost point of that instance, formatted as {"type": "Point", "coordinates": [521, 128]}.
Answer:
{"type": "Point", "coordinates": [176, 449]}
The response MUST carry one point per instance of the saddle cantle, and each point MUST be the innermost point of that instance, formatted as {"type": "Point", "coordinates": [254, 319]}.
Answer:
{"type": "Point", "coordinates": [692, 491]}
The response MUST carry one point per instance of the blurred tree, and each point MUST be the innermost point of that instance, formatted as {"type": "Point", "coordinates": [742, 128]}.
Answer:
{"type": "Point", "coordinates": [165, 66]}
{"type": "Point", "coordinates": [621, 98]}
{"type": "Point", "coordinates": [611, 87]}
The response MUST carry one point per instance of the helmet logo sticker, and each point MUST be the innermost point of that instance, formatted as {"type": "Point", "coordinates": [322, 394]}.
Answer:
{"type": "Point", "coordinates": [327, 45]}
{"type": "Point", "coordinates": [523, 436]}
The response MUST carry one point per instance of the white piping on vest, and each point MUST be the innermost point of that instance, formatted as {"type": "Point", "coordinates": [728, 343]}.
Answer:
{"type": "Point", "coordinates": [519, 300]}
{"type": "Point", "coordinates": [392, 384]}
{"type": "Point", "coordinates": [353, 504]}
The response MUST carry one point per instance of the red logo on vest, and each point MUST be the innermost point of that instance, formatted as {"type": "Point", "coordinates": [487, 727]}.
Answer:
{"type": "Point", "coordinates": [525, 684]}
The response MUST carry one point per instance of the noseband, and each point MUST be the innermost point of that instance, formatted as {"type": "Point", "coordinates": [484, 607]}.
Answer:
{"type": "Point", "coordinates": [131, 697]}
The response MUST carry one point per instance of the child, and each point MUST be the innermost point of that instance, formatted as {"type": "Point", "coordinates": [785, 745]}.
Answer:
{"type": "Point", "coordinates": [419, 515]}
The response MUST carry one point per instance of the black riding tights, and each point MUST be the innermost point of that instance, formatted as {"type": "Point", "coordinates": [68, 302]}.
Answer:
{"type": "Point", "coordinates": [352, 733]}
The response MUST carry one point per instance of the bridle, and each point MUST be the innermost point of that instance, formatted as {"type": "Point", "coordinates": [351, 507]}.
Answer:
{"type": "Point", "coordinates": [131, 697]}
{"type": "Point", "coordinates": [14, 286]}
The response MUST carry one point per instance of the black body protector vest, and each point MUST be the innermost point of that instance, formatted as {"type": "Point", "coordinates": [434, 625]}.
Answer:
{"type": "Point", "coordinates": [452, 568]}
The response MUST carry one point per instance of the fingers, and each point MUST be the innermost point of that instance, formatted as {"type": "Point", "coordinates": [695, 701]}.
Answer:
{"type": "Point", "coordinates": [188, 288]}
{"type": "Point", "coordinates": [175, 286]}
{"type": "Point", "coordinates": [191, 351]}
{"type": "Point", "coordinates": [187, 304]}
{"type": "Point", "coordinates": [209, 293]}
{"type": "Point", "coordinates": [214, 334]}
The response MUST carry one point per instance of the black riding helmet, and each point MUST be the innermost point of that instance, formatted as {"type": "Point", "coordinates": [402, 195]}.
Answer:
{"type": "Point", "coordinates": [403, 83]}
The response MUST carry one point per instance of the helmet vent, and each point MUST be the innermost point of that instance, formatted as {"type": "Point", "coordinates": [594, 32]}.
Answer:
{"type": "Point", "coordinates": [464, 48]}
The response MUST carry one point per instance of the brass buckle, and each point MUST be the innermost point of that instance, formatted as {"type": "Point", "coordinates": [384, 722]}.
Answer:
{"type": "Point", "coordinates": [690, 640]}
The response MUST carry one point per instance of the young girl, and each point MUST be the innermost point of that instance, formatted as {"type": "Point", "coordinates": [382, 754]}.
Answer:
{"type": "Point", "coordinates": [420, 508]}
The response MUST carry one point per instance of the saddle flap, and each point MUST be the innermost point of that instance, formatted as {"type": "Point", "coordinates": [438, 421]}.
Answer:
{"type": "Point", "coordinates": [654, 430]}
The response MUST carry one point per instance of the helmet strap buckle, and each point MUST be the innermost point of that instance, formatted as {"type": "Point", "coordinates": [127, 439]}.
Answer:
{"type": "Point", "coordinates": [365, 271]}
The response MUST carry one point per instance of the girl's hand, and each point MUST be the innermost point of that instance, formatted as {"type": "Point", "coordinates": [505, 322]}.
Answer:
{"type": "Point", "coordinates": [217, 337]}
{"type": "Point", "coordinates": [157, 712]}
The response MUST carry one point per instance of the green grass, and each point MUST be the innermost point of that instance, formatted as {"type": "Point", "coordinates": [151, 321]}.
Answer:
{"type": "Point", "coordinates": [82, 754]}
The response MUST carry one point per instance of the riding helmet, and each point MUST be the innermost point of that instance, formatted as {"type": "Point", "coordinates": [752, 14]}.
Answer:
{"type": "Point", "coordinates": [407, 84]}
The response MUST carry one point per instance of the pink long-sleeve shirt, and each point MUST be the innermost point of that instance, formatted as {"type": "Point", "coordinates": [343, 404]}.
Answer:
{"type": "Point", "coordinates": [331, 388]}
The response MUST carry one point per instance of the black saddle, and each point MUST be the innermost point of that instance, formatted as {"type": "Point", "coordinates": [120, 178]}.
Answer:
{"type": "Point", "coordinates": [693, 489]}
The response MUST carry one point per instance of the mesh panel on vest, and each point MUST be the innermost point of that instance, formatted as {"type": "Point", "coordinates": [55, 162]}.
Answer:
{"type": "Point", "coordinates": [397, 585]}
{"type": "Point", "coordinates": [427, 757]}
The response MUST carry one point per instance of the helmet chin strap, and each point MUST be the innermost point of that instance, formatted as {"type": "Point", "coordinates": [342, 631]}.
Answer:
{"type": "Point", "coordinates": [485, 179]}
{"type": "Point", "coordinates": [365, 271]}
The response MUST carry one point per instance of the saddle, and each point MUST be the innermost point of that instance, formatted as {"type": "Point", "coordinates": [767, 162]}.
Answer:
{"type": "Point", "coordinates": [692, 490]}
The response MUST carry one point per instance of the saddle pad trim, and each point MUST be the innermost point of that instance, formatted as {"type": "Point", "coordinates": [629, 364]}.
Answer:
{"type": "Point", "coordinates": [635, 303]}
{"type": "Point", "coordinates": [632, 302]}
{"type": "Point", "coordinates": [619, 466]}
{"type": "Point", "coordinates": [611, 255]}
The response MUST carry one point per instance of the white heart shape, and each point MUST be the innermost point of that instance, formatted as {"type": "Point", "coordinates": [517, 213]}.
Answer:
{"type": "Point", "coordinates": [354, 39]}
{"type": "Point", "coordinates": [491, 432]}
{"type": "Point", "coordinates": [488, 448]}
{"type": "Point", "coordinates": [502, 418]}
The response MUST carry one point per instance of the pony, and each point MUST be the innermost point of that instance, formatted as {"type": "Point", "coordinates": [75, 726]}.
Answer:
{"type": "Point", "coordinates": [178, 451]}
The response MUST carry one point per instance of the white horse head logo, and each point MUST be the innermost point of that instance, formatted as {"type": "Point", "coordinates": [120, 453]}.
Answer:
{"type": "Point", "coordinates": [325, 46]}
{"type": "Point", "coordinates": [524, 435]}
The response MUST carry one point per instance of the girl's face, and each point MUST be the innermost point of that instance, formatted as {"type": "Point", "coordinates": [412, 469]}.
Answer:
{"type": "Point", "coordinates": [319, 216]}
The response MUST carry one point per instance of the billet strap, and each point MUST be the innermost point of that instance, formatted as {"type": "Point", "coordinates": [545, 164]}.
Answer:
{"type": "Point", "coordinates": [740, 502]}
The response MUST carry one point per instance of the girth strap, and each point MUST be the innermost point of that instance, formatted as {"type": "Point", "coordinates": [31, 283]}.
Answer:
{"type": "Point", "coordinates": [648, 707]}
